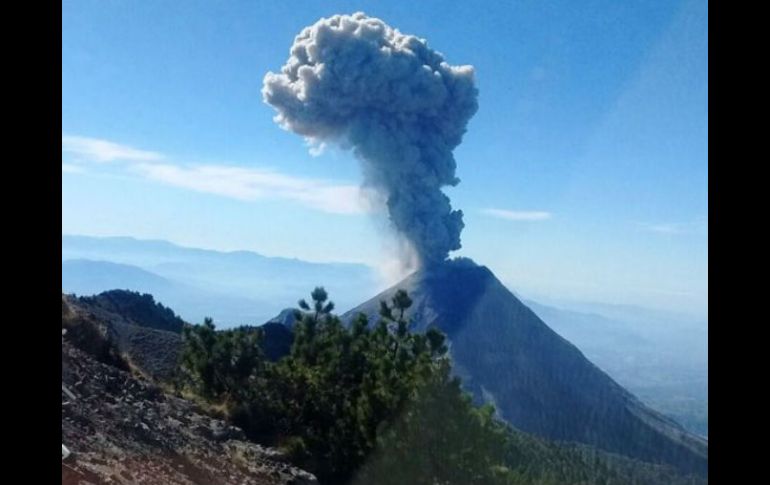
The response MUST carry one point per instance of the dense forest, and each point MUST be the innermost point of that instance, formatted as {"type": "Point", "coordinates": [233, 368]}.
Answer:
{"type": "Point", "coordinates": [375, 403]}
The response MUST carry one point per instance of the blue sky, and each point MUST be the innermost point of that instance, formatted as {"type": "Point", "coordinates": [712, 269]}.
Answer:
{"type": "Point", "coordinates": [583, 174]}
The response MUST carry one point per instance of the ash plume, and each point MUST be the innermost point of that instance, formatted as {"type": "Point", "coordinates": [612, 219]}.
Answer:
{"type": "Point", "coordinates": [354, 81]}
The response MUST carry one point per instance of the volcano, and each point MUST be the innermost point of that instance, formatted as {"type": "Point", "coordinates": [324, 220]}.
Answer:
{"type": "Point", "coordinates": [539, 382]}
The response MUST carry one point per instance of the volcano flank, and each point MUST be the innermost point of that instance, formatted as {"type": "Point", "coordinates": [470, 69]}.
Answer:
{"type": "Point", "coordinates": [539, 382]}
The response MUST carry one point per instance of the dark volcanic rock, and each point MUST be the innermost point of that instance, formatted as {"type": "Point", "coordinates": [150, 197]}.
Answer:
{"type": "Point", "coordinates": [538, 381]}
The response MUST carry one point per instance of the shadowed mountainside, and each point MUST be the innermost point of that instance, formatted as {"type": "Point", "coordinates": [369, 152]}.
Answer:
{"type": "Point", "coordinates": [538, 381]}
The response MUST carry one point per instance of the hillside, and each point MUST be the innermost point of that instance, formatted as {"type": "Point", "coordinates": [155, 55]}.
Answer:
{"type": "Point", "coordinates": [539, 382]}
{"type": "Point", "coordinates": [117, 419]}
{"type": "Point", "coordinates": [143, 332]}
{"type": "Point", "coordinates": [123, 430]}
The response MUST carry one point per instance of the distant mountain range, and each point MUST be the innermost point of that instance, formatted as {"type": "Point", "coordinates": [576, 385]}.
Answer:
{"type": "Point", "coordinates": [661, 358]}
{"type": "Point", "coordinates": [232, 287]}
{"type": "Point", "coordinates": [87, 277]}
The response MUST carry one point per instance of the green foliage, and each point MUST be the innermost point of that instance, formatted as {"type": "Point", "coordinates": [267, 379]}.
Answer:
{"type": "Point", "coordinates": [141, 308]}
{"type": "Point", "coordinates": [221, 365]}
{"type": "Point", "coordinates": [339, 385]}
{"type": "Point", "coordinates": [439, 437]}
{"type": "Point", "coordinates": [377, 404]}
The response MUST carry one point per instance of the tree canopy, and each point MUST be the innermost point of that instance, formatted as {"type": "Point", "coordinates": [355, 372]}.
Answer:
{"type": "Point", "coordinates": [375, 403]}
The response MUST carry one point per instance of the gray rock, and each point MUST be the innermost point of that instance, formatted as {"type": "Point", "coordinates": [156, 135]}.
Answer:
{"type": "Point", "coordinates": [150, 438]}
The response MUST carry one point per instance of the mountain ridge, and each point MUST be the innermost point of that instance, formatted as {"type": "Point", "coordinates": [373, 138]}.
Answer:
{"type": "Point", "coordinates": [243, 275]}
{"type": "Point", "coordinates": [161, 244]}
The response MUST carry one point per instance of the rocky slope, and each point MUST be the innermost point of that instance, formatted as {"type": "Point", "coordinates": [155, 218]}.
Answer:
{"type": "Point", "coordinates": [123, 429]}
{"type": "Point", "coordinates": [142, 331]}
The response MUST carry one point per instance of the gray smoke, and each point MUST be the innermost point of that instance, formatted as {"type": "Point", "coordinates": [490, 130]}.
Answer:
{"type": "Point", "coordinates": [355, 81]}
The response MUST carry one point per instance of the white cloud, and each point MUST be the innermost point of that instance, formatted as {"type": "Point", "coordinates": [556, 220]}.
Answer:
{"type": "Point", "coordinates": [96, 150]}
{"type": "Point", "coordinates": [250, 184]}
{"type": "Point", "coordinates": [236, 182]}
{"type": "Point", "coordinates": [70, 168]}
{"type": "Point", "coordinates": [517, 215]}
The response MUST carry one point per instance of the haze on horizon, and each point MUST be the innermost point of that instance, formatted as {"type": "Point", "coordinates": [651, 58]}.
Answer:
{"type": "Point", "coordinates": [583, 173]}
